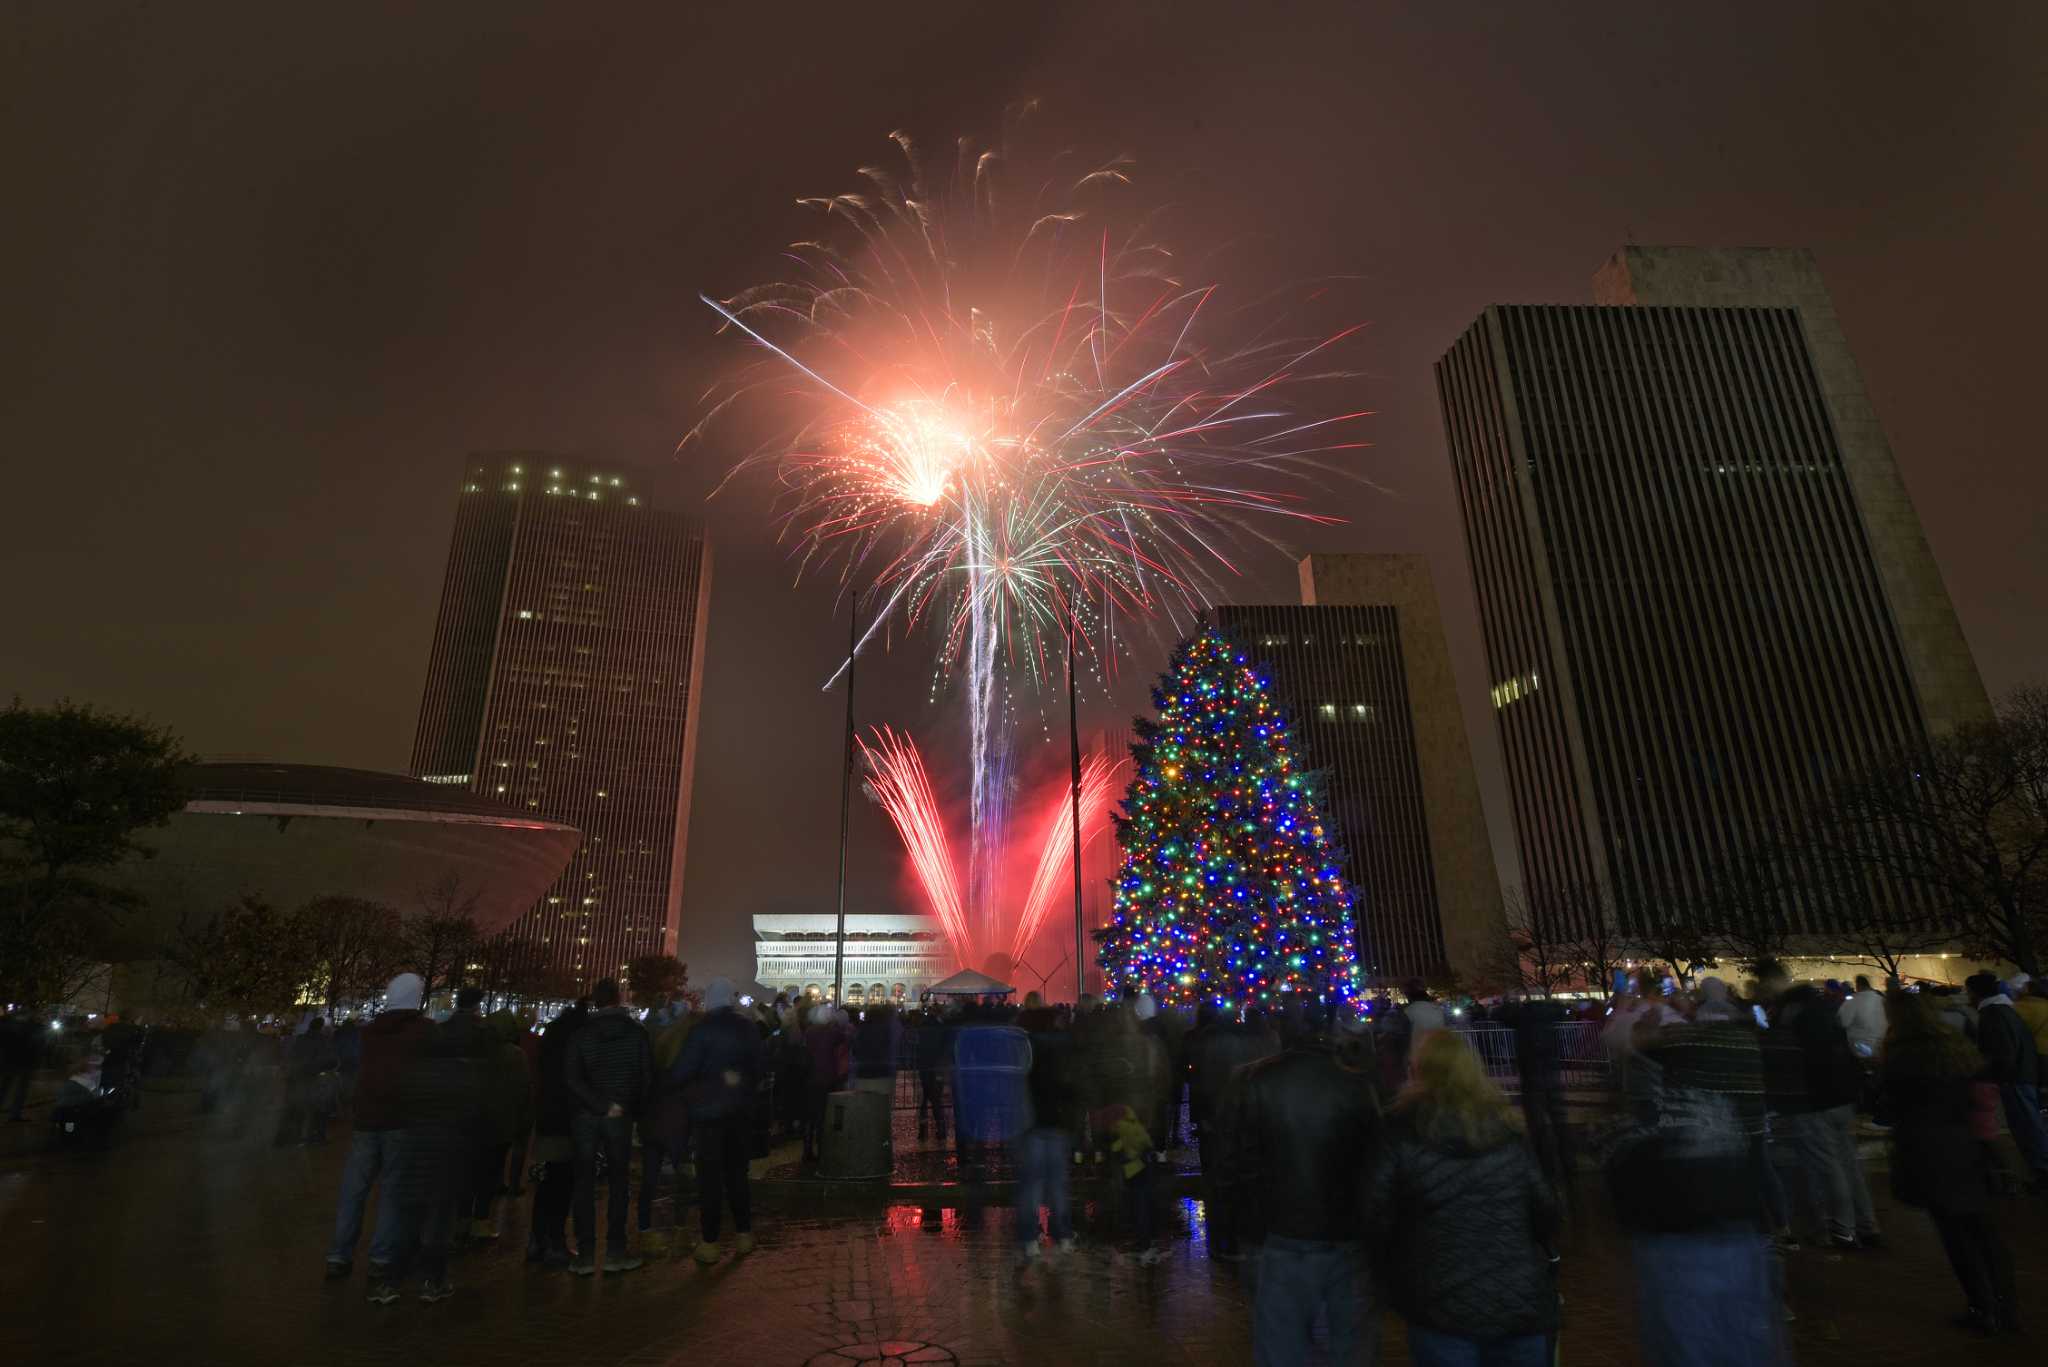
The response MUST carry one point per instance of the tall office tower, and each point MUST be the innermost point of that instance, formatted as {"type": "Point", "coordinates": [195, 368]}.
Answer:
{"type": "Point", "coordinates": [1364, 669]}
{"type": "Point", "coordinates": [565, 677]}
{"type": "Point", "coordinates": [1703, 590]}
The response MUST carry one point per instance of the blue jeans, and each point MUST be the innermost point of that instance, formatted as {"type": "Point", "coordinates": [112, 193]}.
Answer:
{"type": "Point", "coordinates": [1706, 1300]}
{"type": "Point", "coordinates": [373, 1156]}
{"type": "Point", "coordinates": [1042, 1181]}
{"type": "Point", "coordinates": [2023, 1117]}
{"type": "Point", "coordinates": [1298, 1278]}
{"type": "Point", "coordinates": [1430, 1348]}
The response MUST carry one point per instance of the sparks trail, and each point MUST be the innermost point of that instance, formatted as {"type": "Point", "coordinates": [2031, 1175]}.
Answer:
{"type": "Point", "coordinates": [993, 396]}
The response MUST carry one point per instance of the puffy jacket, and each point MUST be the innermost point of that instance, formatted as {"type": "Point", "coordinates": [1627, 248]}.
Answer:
{"type": "Point", "coordinates": [554, 1104]}
{"type": "Point", "coordinates": [611, 1063]}
{"type": "Point", "coordinates": [1215, 1053]}
{"type": "Point", "coordinates": [1938, 1163]}
{"type": "Point", "coordinates": [390, 1043]}
{"type": "Point", "coordinates": [1300, 1135]}
{"type": "Point", "coordinates": [827, 1046]}
{"type": "Point", "coordinates": [2007, 1043]}
{"type": "Point", "coordinates": [1461, 1233]}
{"type": "Point", "coordinates": [719, 1067]}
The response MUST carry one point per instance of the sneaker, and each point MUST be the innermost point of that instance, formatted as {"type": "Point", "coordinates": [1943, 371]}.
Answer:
{"type": "Point", "coordinates": [744, 1244]}
{"type": "Point", "coordinates": [1067, 1245]}
{"type": "Point", "coordinates": [337, 1268]}
{"type": "Point", "coordinates": [583, 1267]}
{"type": "Point", "coordinates": [382, 1292]}
{"type": "Point", "coordinates": [431, 1291]}
{"type": "Point", "coordinates": [706, 1253]}
{"type": "Point", "coordinates": [1842, 1243]}
{"type": "Point", "coordinates": [623, 1262]}
{"type": "Point", "coordinates": [483, 1229]}
{"type": "Point", "coordinates": [1152, 1257]}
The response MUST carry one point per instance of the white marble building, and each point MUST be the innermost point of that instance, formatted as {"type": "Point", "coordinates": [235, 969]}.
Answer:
{"type": "Point", "coordinates": [888, 956]}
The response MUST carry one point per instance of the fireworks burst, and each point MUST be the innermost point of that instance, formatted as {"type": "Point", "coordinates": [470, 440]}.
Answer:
{"type": "Point", "coordinates": [1001, 413]}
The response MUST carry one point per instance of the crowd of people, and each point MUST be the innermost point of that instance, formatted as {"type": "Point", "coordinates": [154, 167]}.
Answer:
{"type": "Point", "coordinates": [445, 1115]}
{"type": "Point", "coordinates": [1359, 1158]}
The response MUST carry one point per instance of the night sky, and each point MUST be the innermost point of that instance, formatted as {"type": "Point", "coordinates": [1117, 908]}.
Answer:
{"type": "Point", "coordinates": [272, 269]}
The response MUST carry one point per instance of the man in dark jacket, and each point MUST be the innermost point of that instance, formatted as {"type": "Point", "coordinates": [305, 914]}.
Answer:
{"type": "Point", "coordinates": [552, 1144]}
{"type": "Point", "coordinates": [1217, 1049]}
{"type": "Point", "coordinates": [2015, 1065]}
{"type": "Point", "coordinates": [1824, 1132]}
{"type": "Point", "coordinates": [609, 1075]}
{"type": "Point", "coordinates": [718, 1073]}
{"type": "Point", "coordinates": [1302, 1136]}
{"type": "Point", "coordinates": [390, 1043]}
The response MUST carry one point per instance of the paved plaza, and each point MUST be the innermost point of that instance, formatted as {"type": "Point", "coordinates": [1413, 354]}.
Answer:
{"type": "Point", "coordinates": [188, 1243]}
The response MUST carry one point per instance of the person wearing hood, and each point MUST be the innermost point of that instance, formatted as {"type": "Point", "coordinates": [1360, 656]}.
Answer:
{"type": "Point", "coordinates": [609, 1074]}
{"type": "Point", "coordinates": [1461, 1218]}
{"type": "Point", "coordinates": [1715, 1004]}
{"type": "Point", "coordinates": [2013, 1063]}
{"type": "Point", "coordinates": [1863, 1017]}
{"type": "Point", "coordinates": [718, 1073]}
{"type": "Point", "coordinates": [389, 1045]}
{"type": "Point", "coordinates": [443, 1094]}
{"type": "Point", "coordinates": [1303, 1127]}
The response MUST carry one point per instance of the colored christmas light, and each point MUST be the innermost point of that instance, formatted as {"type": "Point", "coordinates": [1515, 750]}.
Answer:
{"type": "Point", "coordinates": [1230, 890]}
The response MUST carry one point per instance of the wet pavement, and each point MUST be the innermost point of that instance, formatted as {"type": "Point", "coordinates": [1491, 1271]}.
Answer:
{"type": "Point", "coordinates": [188, 1242]}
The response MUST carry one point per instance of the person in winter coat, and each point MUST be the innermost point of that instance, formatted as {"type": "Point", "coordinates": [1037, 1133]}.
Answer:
{"type": "Point", "coordinates": [934, 1050]}
{"type": "Point", "coordinates": [875, 1041]}
{"type": "Point", "coordinates": [664, 1129]}
{"type": "Point", "coordinates": [1461, 1219]}
{"type": "Point", "coordinates": [827, 1039]}
{"type": "Point", "coordinates": [508, 1106]}
{"type": "Point", "coordinates": [1823, 1132]}
{"type": "Point", "coordinates": [1217, 1050]}
{"type": "Point", "coordinates": [610, 1075]}
{"type": "Point", "coordinates": [1938, 1164]}
{"type": "Point", "coordinates": [443, 1095]}
{"type": "Point", "coordinates": [2012, 1062]}
{"type": "Point", "coordinates": [1302, 1133]}
{"type": "Point", "coordinates": [389, 1044]}
{"type": "Point", "coordinates": [553, 1145]}
{"type": "Point", "coordinates": [719, 1074]}
{"type": "Point", "coordinates": [1683, 1174]}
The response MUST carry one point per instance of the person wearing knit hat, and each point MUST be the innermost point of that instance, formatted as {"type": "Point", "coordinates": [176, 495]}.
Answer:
{"type": "Point", "coordinates": [389, 1045]}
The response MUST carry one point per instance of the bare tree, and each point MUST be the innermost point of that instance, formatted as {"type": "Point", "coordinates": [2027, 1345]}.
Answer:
{"type": "Point", "coordinates": [355, 944]}
{"type": "Point", "coordinates": [1540, 955]}
{"type": "Point", "coordinates": [441, 937]}
{"type": "Point", "coordinates": [1963, 822]}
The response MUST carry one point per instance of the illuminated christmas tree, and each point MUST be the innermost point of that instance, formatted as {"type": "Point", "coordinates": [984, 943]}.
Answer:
{"type": "Point", "coordinates": [1230, 890]}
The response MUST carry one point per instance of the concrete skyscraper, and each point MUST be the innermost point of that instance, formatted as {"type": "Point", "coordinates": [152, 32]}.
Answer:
{"type": "Point", "coordinates": [1704, 593]}
{"type": "Point", "coordinates": [564, 679]}
{"type": "Point", "coordinates": [1364, 668]}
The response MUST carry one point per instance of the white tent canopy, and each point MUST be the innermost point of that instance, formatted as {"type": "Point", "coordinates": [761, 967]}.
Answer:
{"type": "Point", "coordinates": [968, 983]}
